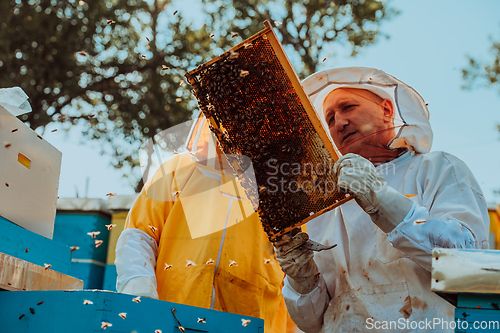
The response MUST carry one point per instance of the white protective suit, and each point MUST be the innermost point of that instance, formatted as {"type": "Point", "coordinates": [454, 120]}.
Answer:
{"type": "Point", "coordinates": [372, 276]}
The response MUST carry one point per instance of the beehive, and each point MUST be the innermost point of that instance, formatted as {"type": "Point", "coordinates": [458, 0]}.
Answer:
{"type": "Point", "coordinates": [261, 115]}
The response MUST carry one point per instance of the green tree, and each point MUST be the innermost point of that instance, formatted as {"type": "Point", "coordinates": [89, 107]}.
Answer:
{"type": "Point", "coordinates": [483, 73]}
{"type": "Point", "coordinates": [309, 30]}
{"type": "Point", "coordinates": [116, 67]}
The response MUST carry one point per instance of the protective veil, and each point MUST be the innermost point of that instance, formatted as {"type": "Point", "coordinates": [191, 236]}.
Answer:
{"type": "Point", "coordinates": [193, 235]}
{"type": "Point", "coordinates": [375, 281]}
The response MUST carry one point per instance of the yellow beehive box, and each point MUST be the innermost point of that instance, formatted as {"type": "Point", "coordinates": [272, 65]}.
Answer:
{"type": "Point", "coordinates": [29, 175]}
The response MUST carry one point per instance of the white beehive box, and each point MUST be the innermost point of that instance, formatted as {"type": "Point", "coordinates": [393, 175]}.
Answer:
{"type": "Point", "coordinates": [29, 176]}
{"type": "Point", "coordinates": [465, 271]}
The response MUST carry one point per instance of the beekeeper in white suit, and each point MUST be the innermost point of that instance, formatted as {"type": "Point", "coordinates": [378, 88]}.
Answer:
{"type": "Point", "coordinates": [407, 202]}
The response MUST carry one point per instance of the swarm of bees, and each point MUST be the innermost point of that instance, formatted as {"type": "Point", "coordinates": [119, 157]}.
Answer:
{"type": "Point", "coordinates": [259, 120]}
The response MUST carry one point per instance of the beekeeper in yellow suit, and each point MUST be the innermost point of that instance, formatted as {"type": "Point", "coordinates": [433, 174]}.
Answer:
{"type": "Point", "coordinates": [193, 237]}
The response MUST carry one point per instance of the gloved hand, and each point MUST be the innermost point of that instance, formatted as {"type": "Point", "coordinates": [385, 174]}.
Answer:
{"type": "Point", "coordinates": [140, 286]}
{"type": "Point", "coordinates": [386, 206]}
{"type": "Point", "coordinates": [297, 262]}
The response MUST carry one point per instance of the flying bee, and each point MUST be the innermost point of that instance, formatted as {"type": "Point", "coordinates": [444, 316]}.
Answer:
{"type": "Point", "coordinates": [93, 234]}
{"type": "Point", "coordinates": [153, 229]}
{"type": "Point", "coordinates": [82, 53]}
{"type": "Point", "coordinates": [85, 302]}
{"type": "Point", "coordinates": [47, 266]}
{"type": "Point", "coordinates": [245, 322]}
{"type": "Point", "coordinates": [267, 261]}
{"type": "Point", "coordinates": [98, 242]}
{"type": "Point", "coordinates": [202, 320]}
{"type": "Point", "coordinates": [7, 145]}
{"type": "Point", "coordinates": [167, 266]}
{"type": "Point", "coordinates": [164, 68]}
{"type": "Point", "coordinates": [137, 299]}
{"type": "Point", "coordinates": [143, 56]}
{"type": "Point", "coordinates": [39, 303]}
{"type": "Point", "coordinates": [39, 136]}
{"type": "Point", "coordinates": [212, 35]}
{"type": "Point", "coordinates": [323, 60]}
{"type": "Point", "coordinates": [190, 263]}
{"type": "Point", "coordinates": [123, 315]}
{"type": "Point", "coordinates": [32, 311]}
{"type": "Point", "coordinates": [74, 248]}
{"type": "Point", "coordinates": [232, 263]}
{"type": "Point", "coordinates": [110, 194]}
{"type": "Point", "coordinates": [54, 130]}
{"type": "Point", "coordinates": [175, 12]}
{"type": "Point", "coordinates": [209, 262]}
{"type": "Point", "coordinates": [105, 324]}
{"type": "Point", "coordinates": [21, 317]}
{"type": "Point", "coordinates": [148, 39]}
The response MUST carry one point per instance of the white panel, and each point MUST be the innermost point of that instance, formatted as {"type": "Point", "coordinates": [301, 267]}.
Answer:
{"type": "Point", "coordinates": [28, 197]}
{"type": "Point", "coordinates": [461, 270]}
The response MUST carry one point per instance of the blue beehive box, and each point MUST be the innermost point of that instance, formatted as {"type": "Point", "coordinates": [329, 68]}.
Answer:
{"type": "Point", "coordinates": [75, 219]}
{"type": "Point", "coordinates": [99, 311]}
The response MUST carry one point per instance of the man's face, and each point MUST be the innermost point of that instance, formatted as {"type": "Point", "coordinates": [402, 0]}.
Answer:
{"type": "Point", "coordinates": [359, 121]}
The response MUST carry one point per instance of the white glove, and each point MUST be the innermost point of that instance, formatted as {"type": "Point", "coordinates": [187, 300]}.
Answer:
{"type": "Point", "coordinates": [386, 206]}
{"type": "Point", "coordinates": [140, 286]}
{"type": "Point", "coordinates": [297, 262]}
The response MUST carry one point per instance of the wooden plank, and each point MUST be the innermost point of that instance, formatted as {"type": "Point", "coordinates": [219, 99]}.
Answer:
{"type": "Point", "coordinates": [18, 274]}
{"type": "Point", "coordinates": [66, 312]}
{"type": "Point", "coordinates": [34, 248]}
{"type": "Point", "coordinates": [28, 190]}
{"type": "Point", "coordinates": [466, 271]}
{"type": "Point", "coordinates": [118, 219]}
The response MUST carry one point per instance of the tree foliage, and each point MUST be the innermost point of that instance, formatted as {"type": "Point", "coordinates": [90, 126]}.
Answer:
{"type": "Point", "coordinates": [483, 73]}
{"type": "Point", "coordinates": [116, 67]}
{"type": "Point", "coordinates": [309, 30]}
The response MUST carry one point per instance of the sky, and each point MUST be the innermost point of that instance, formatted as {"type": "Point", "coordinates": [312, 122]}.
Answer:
{"type": "Point", "coordinates": [427, 49]}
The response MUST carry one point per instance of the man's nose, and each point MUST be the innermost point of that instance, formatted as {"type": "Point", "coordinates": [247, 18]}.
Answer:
{"type": "Point", "coordinates": [340, 122]}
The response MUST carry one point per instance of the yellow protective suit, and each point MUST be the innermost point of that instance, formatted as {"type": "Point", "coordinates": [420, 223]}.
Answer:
{"type": "Point", "coordinates": [232, 269]}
